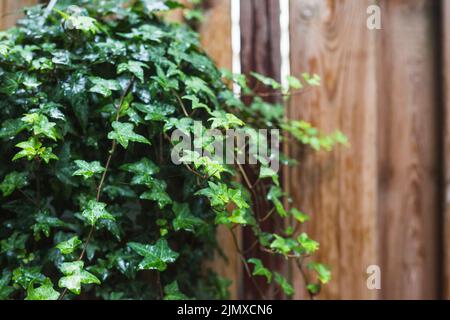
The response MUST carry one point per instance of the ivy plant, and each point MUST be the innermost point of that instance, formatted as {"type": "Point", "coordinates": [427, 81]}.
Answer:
{"type": "Point", "coordinates": [91, 204]}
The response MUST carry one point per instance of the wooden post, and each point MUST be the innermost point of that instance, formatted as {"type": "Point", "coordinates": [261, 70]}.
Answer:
{"type": "Point", "coordinates": [408, 161]}
{"type": "Point", "coordinates": [338, 189]}
{"type": "Point", "coordinates": [446, 140]}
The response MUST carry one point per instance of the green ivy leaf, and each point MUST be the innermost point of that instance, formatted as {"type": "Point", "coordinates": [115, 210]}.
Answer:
{"type": "Point", "coordinates": [267, 81]}
{"type": "Point", "coordinates": [323, 272]}
{"type": "Point", "coordinates": [13, 181]}
{"type": "Point", "coordinates": [69, 246]}
{"type": "Point", "coordinates": [172, 292]}
{"type": "Point", "coordinates": [32, 149]}
{"type": "Point", "coordinates": [134, 67]}
{"type": "Point", "coordinates": [95, 211]}
{"type": "Point", "coordinates": [103, 86]}
{"type": "Point", "coordinates": [156, 257]}
{"type": "Point", "coordinates": [299, 216]}
{"type": "Point", "coordinates": [123, 133]}
{"type": "Point", "coordinates": [88, 169]}
{"type": "Point", "coordinates": [156, 111]}
{"type": "Point", "coordinates": [221, 119]}
{"type": "Point", "coordinates": [310, 246]}
{"type": "Point", "coordinates": [284, 284]}
{"type": "Point", "coordinates": [142, 167]}
{"type": "Point", "coordinates": [43, 292]}
{"type": "Point", "coordinates": [75, 276]}
{"type": "Point", "coordinates": [184, 220]}
{"type": "Point", "coordinates": [260, 270]}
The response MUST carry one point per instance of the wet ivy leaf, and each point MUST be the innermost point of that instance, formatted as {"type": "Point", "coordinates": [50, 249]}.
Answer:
{"type": "Point", "coordinates": [287, 288]}
{"type": "Point", "coordinates": [155, 111]}
{"type": "Point", "coordinates": [310, 246]}
{"type": "Point", "coordinates": [23, 276]}
{"type": "Point", "coordinates": [172, 292]}
{"type": "Point", "coordinates": [260, 270]}
{"type": "Point", "coordinates": [95, 211]}
{"type": "Point", "coordinates": [43, 292]}
{"type": "Point", "coordinates": [225, 120]}
{"type": "Point", "coordinates": [299, 216]}
{"type": "Point", "coordinates": [184, 220]}
{"type": "Point", "coordinates": [267, 81]}
{"type": "Point", "coordinates": [134, 67]}
{"type": "Point", "coordinates": [13, 181]}
{"type": "Point", "coordinates": [88, 169]}
{"type": "Point", "coordinates": [156, 257]}
{"type": "Point", "coordinates": [323, 272]}
{"type": "Point", "coordinates": [69, 246]}
{"type": "Point", "coordinates": [142, 167]}
{"type": "Point", "coordinates": [103, 86]}
{"type": "Point", "coordinates": [75, 276]}
{"type": "Point", "coordinates": [11, 128]}
{"type": "Point", "coordinates": [123, 133]}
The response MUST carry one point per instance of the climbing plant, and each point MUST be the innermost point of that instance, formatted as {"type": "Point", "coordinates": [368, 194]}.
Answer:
{"type": "Point", "coordinates": [92, 204]}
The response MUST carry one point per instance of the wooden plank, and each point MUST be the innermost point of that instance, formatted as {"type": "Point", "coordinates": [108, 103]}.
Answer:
{"type": "Point", "coordinates": [260, 52]}
{"type": "Point", "coordinates": [215, 34]}
{"type": "Point", "coordinates": [408, 150]}
{"type": "Point", "coordinates": [338, 189]}
{"type": "Point", "coordinates": [446, 140]}
{"type": "Point", "coordinates": [11, 10]}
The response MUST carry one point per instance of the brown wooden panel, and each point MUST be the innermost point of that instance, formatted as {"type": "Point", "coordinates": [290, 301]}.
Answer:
{"type": "Point", "coordinates": [338, 189]}
{"type": "Point", "coordinates": [446, 132]}
{"type": "Point", "coordinates": [11, 10]}
{"type": "Point", "coordinates": [408, 150]}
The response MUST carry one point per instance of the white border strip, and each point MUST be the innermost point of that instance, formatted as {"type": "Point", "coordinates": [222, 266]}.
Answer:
{"type": "Point", "coordinates": [236, 40]}
{"type": "Point", "coordinates": [285, 42]}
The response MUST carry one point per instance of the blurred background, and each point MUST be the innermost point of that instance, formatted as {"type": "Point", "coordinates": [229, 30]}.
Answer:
{"type": "Point", "coordinates": [385, 66]}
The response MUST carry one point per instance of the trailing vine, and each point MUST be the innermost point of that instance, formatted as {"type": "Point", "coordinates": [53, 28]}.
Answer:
{"type": "Point", "coordinates": [92, 203]}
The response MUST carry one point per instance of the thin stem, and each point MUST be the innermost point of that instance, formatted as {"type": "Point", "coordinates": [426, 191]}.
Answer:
{"type": "Point", "coordinates": [181, 104]}
{"type": "Point", "coordinates": [246, 266]}
{"type": "Point", "coordinates": [298, 262]}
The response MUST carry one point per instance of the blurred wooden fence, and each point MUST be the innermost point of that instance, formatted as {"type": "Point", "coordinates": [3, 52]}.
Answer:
{"type": "Point", "coordinates": [386, 199]}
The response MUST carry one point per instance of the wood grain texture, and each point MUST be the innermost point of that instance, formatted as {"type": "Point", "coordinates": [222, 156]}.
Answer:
{"type": "Point", "coordinates": [338, 189]}
{"type": "Point", "coordinates": [408, 152]}
{"type": "Point", "coordinates": [260, 52]}
{"type": "Point", "coordinates": [11, 10]}
{"type": "Point", "coordinates": [446, 133]}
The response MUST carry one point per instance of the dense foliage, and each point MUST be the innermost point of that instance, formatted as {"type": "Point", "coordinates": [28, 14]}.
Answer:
{"type": "Point", "coordinates": [91, 203]}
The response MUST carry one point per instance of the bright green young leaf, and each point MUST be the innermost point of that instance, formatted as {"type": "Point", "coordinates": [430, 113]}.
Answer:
{"type": "Point", "coordinates": [323, 272]}
{"type": "Point", "coordinates": [266, 81]}
{"type": "Point", "coordinates": [69, 246]}
{"type": "Point", "coordinates": [287, 288]}
{"type": "Point", "coordinates": [310, 246]}
{"type": "Point", "coordinates": [260, 270]}
{"type": "Point", "coordinates": [299, 216]}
